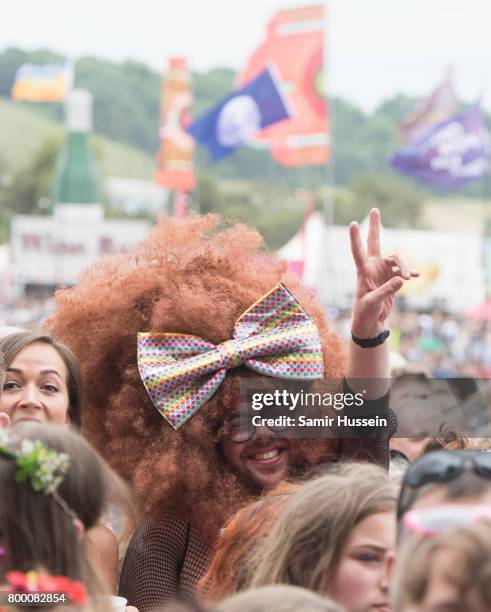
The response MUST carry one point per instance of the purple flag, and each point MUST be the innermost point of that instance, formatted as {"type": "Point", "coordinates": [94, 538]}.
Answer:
{"type": "Point", "coordinates": [441, 105]}
{"type": "Point", "coordinates": [450, 155]}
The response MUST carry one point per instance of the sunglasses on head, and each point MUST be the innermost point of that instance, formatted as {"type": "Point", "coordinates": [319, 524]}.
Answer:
{"type": "Point", "coordinates": [440, 467]}
{"type": "Point", "coordinates": [431, 521]}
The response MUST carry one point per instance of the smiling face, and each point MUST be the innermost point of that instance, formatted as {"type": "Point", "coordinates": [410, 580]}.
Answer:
{"type": "Point", "coordinates": [35, 387]}
{"type": "Point", "coordinates": [262, 462]}
{"type": "Point", "coordinates": [360, 582]}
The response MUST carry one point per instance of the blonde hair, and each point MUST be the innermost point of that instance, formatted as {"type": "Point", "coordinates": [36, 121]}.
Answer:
{"type": "Point", "coordinates": [280, 598]}
{"type": "Point", "coordinates": [471, 570]}
{"type": "Point", "coordinates": [305, 545]}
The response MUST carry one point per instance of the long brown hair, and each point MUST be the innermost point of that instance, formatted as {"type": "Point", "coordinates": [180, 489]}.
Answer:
{"type": "Point", "coordinates": [13, 344]}
{"type": "Point", "coordinates": [471, 572]}
{"type": "Point", "coordinates": [38, 530]}
{"type": "Point", "coordinates": [305, 546]}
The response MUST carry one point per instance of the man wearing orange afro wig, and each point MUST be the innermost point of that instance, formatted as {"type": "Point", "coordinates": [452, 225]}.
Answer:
{"type": "Point", "coordinates": [164, 335]}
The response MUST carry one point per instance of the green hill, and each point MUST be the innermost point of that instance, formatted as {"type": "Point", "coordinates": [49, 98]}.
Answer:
{"type": "Point", "coordinates": [127, 106]}
{"type": "Point", "coordinates": [23, 132]}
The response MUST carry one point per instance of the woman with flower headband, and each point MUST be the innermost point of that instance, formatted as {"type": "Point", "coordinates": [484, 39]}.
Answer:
{"type": "Point", "coordinates": [204, 299]}
{"type": "Point", "coordinates": [43, 384]}
{"type": "Point", "coordinates": [54, 487]}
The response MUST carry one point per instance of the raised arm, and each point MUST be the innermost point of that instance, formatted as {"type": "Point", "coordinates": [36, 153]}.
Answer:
{"type": "Point", "coordinates": [378, 280]}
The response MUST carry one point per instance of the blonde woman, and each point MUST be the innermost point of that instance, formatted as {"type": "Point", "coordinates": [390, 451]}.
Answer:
{"type": "Point", "coordinates": [280, 598]}
{"type": "Point", "coordinates": [450, 570]}
{"type": "Point", "coordinates": [335, 537]}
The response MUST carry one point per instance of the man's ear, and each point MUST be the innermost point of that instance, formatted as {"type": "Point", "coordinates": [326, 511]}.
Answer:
{"type": "Point", "coordinates": [79, 528]}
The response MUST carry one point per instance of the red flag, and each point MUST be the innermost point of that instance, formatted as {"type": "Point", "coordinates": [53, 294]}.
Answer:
{"type": "Point", "coordinates": [295, 45]}
{"type": "Point", "coordinates": [175, 161]}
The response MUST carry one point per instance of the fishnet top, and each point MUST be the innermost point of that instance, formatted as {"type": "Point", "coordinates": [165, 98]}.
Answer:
{"type": "Point", "coordinates": [365, 444]}
{"type": "Point", "coordinates": [165, 561]}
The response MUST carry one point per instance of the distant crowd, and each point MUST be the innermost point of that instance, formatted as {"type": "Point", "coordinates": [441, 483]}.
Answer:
{"type": "Point", "coordinates": [445, 345]}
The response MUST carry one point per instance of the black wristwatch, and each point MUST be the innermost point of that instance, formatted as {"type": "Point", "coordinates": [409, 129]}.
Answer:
{"type": "Point", "coordinates": [371, 342]}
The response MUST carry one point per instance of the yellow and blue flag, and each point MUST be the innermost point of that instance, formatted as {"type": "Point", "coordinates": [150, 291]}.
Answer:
{"type": "Point", "coordinates": [42, 83]}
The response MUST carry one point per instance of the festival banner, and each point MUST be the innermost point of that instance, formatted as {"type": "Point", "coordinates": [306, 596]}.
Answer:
{"type": "Point", "coordinates": [295, 45]}
{"type": "Point", "coordinates": [441, 105]}
{"type": "Point", "coordinates": [240, 115]}
{"type": "Point", "coordinates": [175, 167]}
{"type": "Point", "coordinates": [451, 155]}
{"type": "Point", "coordinates": [43, 83]}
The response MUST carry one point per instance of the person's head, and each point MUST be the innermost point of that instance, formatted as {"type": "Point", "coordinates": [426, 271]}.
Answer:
{"type": "Point", "coordinates": [192, 276]}
{"type": "Point", "coordinates": [229, 569]}
{"type": "Point", "coordinates": [280, 598]}
{"type": "Point", "coordinates": [260, 456]}
{"type": "Point", "coordinates": [410, 395]}
{"type": "Point", "coordinates": [62, 493]}
{"type": "Point", "coordinates": [335, 536]}
{"type": "Point", "coordinates": [456, 477]}
{"type": "Point", "coordinates": [447, 571]}
{"type": "Point", "coordinates": [43, 381]}
{"type": "Point", "coordinates": [447, 440]}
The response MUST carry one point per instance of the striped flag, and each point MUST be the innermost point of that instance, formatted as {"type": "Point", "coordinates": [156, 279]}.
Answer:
{"type": "Point", "coordinates": [43, 83]}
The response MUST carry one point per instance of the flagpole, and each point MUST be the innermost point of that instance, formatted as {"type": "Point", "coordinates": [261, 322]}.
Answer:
{"type": "Point", "coordinates": [328, 172]}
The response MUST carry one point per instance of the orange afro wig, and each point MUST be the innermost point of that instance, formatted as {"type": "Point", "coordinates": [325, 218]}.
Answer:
{"type": "Point", "coordinates": [194, 276]}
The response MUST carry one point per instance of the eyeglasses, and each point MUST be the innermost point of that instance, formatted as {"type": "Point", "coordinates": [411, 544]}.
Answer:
{"type": "Point", "coordinates": [439, 467]}
{"type": "Point", "coordinates": [431, 521]}
{"type": "Point", "coordinates": [244, 430]}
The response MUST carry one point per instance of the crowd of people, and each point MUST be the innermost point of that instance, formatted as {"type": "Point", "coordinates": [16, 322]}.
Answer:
{"type": "Point", "coordinates": [126, 468]}
{"type": "Point", "coordinates": [446, 345]}
{"type": "Point", "coordinates": [28, 309]}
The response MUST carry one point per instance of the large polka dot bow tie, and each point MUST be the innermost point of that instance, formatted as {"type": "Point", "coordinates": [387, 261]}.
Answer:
{"type": "Point", "coordinates": [274, 337]}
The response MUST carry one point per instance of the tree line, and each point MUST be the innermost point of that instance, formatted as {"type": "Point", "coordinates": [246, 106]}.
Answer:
{"type": "Point", "coordinates": [126, 109]}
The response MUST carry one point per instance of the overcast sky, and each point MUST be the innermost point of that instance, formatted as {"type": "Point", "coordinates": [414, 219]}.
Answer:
{"type": "Point", "coordinates": [376, 48]}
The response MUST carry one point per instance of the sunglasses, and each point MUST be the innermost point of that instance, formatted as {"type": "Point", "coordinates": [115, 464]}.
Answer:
{"type": "Point", "coordinates": [431, 521]}
{"type": "Point", "coordinates": [439, 467]}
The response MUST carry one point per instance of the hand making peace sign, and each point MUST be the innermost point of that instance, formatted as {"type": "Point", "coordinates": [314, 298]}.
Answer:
{"type": "Point", "coordinates": [378, 280]}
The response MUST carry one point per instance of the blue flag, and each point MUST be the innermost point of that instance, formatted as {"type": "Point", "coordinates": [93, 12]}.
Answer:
{"type": "Point", "coordinates": [236, 118]}
{"type": "Point", "coordinates": [452, 154]}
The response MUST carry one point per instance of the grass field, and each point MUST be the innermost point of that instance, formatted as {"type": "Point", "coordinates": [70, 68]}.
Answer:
{"type": "Point", "coordinates": [23, 132]}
